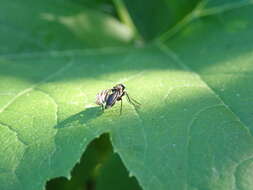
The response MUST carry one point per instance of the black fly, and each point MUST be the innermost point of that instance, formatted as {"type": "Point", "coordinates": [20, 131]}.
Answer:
{"type": "Point", "coordinates": [107, 98]}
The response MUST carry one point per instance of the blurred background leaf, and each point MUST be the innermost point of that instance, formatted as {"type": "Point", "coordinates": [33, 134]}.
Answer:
{"type": "Point", "coordinates": [57, 25]}
{"type": "Point", "coordinates": [152, 18]}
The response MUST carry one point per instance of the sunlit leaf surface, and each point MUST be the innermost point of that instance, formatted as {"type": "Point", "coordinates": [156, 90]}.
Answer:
{"type": "Point", "coordinates": [193, 130]}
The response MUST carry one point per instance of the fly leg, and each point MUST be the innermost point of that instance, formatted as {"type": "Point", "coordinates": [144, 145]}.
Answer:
{"type": "Point", "coordinates": [132, 101]}
{"type": "Point", "coordinates": [120, 106]}
{"type": "Point", "coordinates": [102, 108]}
{"type": "Point", "coordinates": [121, 103]}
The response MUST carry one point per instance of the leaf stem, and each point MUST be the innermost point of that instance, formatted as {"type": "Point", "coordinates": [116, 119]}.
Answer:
{"type": "Point", "coordinates": [199, 11]}
{"type": "Point", "coordinates": [126, 18]}
{"type": "Point", "coordinates": [187, 19]}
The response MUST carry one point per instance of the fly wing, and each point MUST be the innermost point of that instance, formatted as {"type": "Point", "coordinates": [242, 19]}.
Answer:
{"type": "Point", "coordinates": [112, 98]}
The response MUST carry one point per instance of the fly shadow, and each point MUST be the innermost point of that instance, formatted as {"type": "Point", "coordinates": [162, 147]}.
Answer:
{"type": "Point", "coordinates": [82, 117]}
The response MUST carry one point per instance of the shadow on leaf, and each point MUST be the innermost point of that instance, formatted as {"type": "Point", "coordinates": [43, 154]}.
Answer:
{"type": "Point", "coordinates": [82, 117]}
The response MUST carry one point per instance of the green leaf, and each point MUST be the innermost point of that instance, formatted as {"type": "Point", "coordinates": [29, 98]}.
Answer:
{"type": "Point", "coordinates": [224, 4]}
{"type": "Point", "coordinates": [84, 174]}
{"type": "Point", "coordinates": [43, 25]}
{"type": "Point", "coordinates": [114, 176]}
{"type": "Point", "coordinates": [217, 48]}
{"type": "Point", "coordinates": [105, 6]}
{"type": "Point", "coordinates": [152, 18]}
{"type": "Point", "coordinates": [202, 9]}
{"type": "Point", "coordinates": [193, 130]}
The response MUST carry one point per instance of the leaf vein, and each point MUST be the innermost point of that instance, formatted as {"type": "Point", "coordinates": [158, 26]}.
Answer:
{"type": "Point", "coordinates": [15, 132]}
{"type": "Point", "coordinates": [144, 135]}
{"type": "Point", "coordinates": [224, 8]}
{"type": "Point", "coordinates": [53, 101]}
{"type": "Point", "coordinates": [176, 58]}
{"type": "Point", "coordinates": [35, 86]}
{"type": "Point", "coordinates": [67, 53]}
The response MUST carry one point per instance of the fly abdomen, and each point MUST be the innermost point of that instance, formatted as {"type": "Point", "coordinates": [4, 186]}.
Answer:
{"type": "Point", "coordinates": [102, 97]}
{"type": "Point", "coordinates": [112, 98]}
